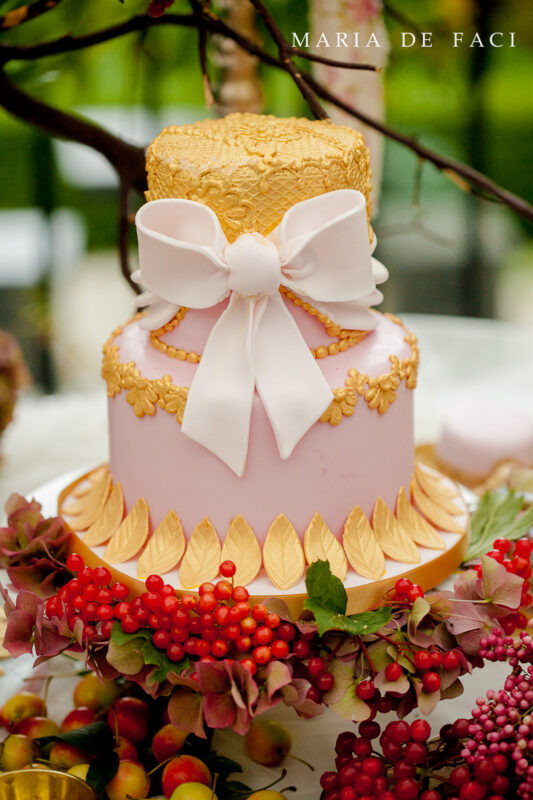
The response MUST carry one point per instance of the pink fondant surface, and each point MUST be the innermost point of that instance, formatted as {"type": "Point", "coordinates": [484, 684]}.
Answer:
{"type": "Point", "coordinates": [475, 437]}
{"type": "Point", "coordinates": [331, 470]}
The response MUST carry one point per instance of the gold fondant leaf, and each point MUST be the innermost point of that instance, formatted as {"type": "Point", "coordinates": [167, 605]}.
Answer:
{"type": "Point", "coordinates": [88, 508]}
{"type": "Point", "coordinates": [434, 513]}
{"type": "Point", "coordinates": [164, 549]}
{"type": "Point", "coordinates": [202, 557]}
{"type": "Point", "coordinates": [448, 488]}
{"type": "Point", "coordinates": [283, 556]}
{"type": "Point", "coordinates": [415, 525]}
{"type": "Point", "coordinates": [438, 491]}
{"type": "Point", "coordinates": [393, 539]}
{"type": "Point", "coordinates": [361, 546]}
{"type": "Point", "coordinates": [131, 535]}
{"type": "Point", "coordinates": [87, 484]}
{"type": "Point", "coordinates": [319, 543]}
{"type": "Point", "coordinates": [107, 523]}
{"type": "Point", "coordinates": [241, 547]}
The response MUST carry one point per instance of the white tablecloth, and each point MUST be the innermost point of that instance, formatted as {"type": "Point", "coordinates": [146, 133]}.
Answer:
{"type": "Point", "coordinates": [461, 359]}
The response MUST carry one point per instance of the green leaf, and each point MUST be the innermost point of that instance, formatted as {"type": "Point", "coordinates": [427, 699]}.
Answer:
{"type": "Point", "coordinates": [497, 517]}
{"type": "Point", "coordinates": [92, 739]}
{"type": "Point", "coordinates": [356, 624]}
{"type": "Point", "coordinates": [102, 770]}
{"type": "Point", "coordinates": [325, 587]}
{"type": "Point", "coordinates": [127, 658]}
{"type": "Point", "coordinates": [120, 638]}
{"type": "Point", "coordinates": [152, 655]}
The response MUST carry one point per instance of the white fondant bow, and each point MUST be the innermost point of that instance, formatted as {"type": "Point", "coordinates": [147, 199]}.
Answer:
{"type": "Point", "coordinates": [320, 251]}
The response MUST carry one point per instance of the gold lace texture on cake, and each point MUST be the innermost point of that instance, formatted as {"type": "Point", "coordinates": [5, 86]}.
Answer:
{"type": "Point", "coordinates": [250, 169]}
{"type": "Point", "coordinates": [399, 533]}
{"type": "Point", "coordinates": [146, 395]}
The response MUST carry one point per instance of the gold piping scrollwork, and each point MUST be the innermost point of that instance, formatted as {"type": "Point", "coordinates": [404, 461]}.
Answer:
{"type": "Point", "coordinates": [145, 395]}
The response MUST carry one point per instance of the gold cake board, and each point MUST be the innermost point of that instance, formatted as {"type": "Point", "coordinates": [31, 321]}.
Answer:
{"type": "Point", "coordinates": [364, 596]}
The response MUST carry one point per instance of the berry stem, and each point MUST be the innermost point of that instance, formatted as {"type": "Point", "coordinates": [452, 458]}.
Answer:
{"type": "Point", "coordinates": [301, 760]}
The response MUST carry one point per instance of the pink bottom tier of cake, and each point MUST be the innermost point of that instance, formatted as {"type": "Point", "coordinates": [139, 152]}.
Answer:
{"type": "Point", "coordinates": [333, 468]}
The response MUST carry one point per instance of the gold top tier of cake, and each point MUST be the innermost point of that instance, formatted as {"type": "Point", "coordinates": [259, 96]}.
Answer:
{"type": "Point", "coordinates": [251, 168]}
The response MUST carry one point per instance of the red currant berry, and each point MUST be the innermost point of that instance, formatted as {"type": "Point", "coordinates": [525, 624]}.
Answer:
{"type": "Point", "coordinates": [243, 643]}
{"type": "Point", "coordinates": [415, 753]}
{"type": "Point", "coordinates": [422, 659]}
{"type": "Point", "coordinates": [120, 591]}
{"type": "Point", "coordinates": [169, 604]}
{"type": "Point", "coordinates": [91, 592]}
{"type": "Point", "coordinates": [179, 634]}
{"type": "Point", "coordinates": [223, 590]}
{"type": "Point", "coordinates": [142, 615]}
{"type": "Point", "coordinates": [207, 602]}
{"type": "Point", "coordinates": [79, 602]}
{"type": "Point", "coordinates": [190, 646]}
{"type": "Point", "coordinates": [105, 613]}
{"type": "Point", "coordinates": [105, 596]}
{"type": "Point", "coordinates": [228, 569]}
{"type": "Point", "coordinates": [219, 648]}
{"type": "Point", "coordinates": [263, 635]}
{"type": "Point", "coordinates": [414, 592]}
{"type": "Point", "coordinates": [207, 620]}
{"type": "Point", "coordinates": [189, 602]}
{"type": "Point", "coordinates": [153, 621]}
{"type": "Point", "coordinates": [272, 621]}
{"type": "Point", "coordinates": [202, 648]}
{"type": "Point", "coordinates": [195, 626]}
{"type": "Point", "coordinates": [313, 694]}
{"type": "Point", "coordinates": [102, 576]}
{"type": "Point", "coordinates": [129, 624]}
{"type": "Point", "coordinates": [431, 682]}
{"type": "Point", "coordinates": [222, 614]}
{"type": "Point", "coordinates": [167, 591]}
{"type": "Point", "coordinates": [161, 639]}
{"type": "Point", "coordinates": [175, 652]}
{"type": "Point", "coordinates": [75, 562]}
{"type": "Point", "coordinates": [326, 682]}
{"type": "Point", "coordinates": [365, 690]}
{"type": "Point", "coordinates": [240, 594]}
{"type": "Point", "coordinates": [316, 667]}
{"type": "Point", "coordinates": [280, 649]}
{"type": "Point", "coordinates": [402, 586]}
{"type": "Point", "coordinates": [362, 748]}
{"type": "Point", "coordinates": [231, 632]}
{"type": "Point", "coordinates": [369, 729]}
{"type": "Point", "coordinates": [85, 576]}
{"type": "Point", "coordinates": [398, 732]}
{"type": "Point", "coordinates": [154, 583]}
{"type": "Point", "coordinates": [54, 607]}
{"type": "Point", "coordinates": [436, 658]}
{"type": "Point", "coordinates": [250, 665]}
{"type": "Point", "coordinates": [420, 730]}
{"type": "Point", "coordinates": [393, 672]}
{"type": "Point", "coordinates": [503, 545]}
{"type": "Point", "coordinates": [206, 588]}
{"type": "Point", "coordinates": [106, 629]}
{"type": "Point", "coordinates": [372, 766]}
{"type": "Point", "coordinates": [523, 547]}
{"type": "Point", "coordinates": [262, 655]}
{"type": "Point", "coordinates": [286, 631]}
{"type": "Point", "coordinates": [301, 649]}
{"type": "Point", "coordinates": [249, 626]}
{"type": "Point", "coordinates": [451, 660]}
{"type": "Point", "coordinates": [259, 612]}
{"type": "Point", "coordinates": [406, 789]}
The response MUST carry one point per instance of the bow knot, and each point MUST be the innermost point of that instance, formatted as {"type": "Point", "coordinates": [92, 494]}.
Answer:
{"type": "Point", "coordinates": [254, 265]}
{"type": "Point", "coordinates": [320, 251]}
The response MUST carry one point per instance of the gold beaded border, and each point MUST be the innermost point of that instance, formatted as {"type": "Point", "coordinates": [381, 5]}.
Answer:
{"type": "Point", "coordinates": [345, 338]}
{"type": "Point", "coordinates": [145, 395]}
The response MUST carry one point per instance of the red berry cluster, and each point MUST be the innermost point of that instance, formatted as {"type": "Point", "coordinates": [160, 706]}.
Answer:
{"type": "Point", "coordinates": [220, 623]}
{"type": "Point", "coordinates": [361, 773]}
{"type": "Point", "coordinates": [405, 592]}
{"type": "Point", "coordinates": [89, 597]}
{"type": "Point", "coordinates": [516, 558]}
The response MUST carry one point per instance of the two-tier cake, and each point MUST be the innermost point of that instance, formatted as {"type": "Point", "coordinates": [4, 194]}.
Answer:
{"type": "Point", "coordinates": [260, 410]}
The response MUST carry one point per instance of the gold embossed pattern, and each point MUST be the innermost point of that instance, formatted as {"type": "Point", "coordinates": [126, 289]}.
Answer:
{"type": "Point", "coordinates": [250, 169]}
{"type": "Point", "coordinates": [146, 395]}
{"type": "Point", "coordinates": [396, 533]}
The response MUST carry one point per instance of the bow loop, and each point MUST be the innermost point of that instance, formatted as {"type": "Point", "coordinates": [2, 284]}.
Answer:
{"type": "Point", "coordinates": [320, 250]}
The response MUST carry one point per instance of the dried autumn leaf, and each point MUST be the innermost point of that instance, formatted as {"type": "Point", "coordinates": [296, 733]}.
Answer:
{"type": "Point", "coordinates": [165, 547]}
{"type": "Point", "coordinates": [283, 556]}
{"type": "Point", "coordinates": [438, 491]}
{"type": "Point", "coordinates": [319, 543]}
{"type": "Point", "coordinates": [241, 547]}
{"type": "Point", "coordinates": [434, 513]}
{"type": "Point", "coordinates": [131, 535]}
{"type": "Point", "coordinates": [392, 538]}
{"type": "Point", "coordinates": [415, 525]}
{"type": "Point", "coordinates": [85, 510]}
{"type": "Point", "coordinates": [202, 557]}
{"type": "Point", "coordinates": [107, 523]}
{"type": "Point", "coordinates": [362, 547]}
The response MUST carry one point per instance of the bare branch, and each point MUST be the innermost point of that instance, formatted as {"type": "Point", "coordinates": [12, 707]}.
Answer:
{"type": "Point", "coordinates": [26, 12]}
{"type": "Point", "coordinates": [127, 159]}
{"type": "Point", "coordinates": [331, 62]}
{"type": "Point", "coordinates": [284, 50]}
{"type": "Point", "coordinates": [123, 234]}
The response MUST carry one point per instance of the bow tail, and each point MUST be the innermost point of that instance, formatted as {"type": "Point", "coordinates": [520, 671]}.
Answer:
{"type": "Point", "coordinates": [290, 383]}
{"type": "Point", "coordinates": [219, 404]}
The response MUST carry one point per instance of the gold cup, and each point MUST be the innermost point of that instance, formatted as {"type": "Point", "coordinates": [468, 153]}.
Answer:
{"type": "Point", "coordinates": [43, 784]}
